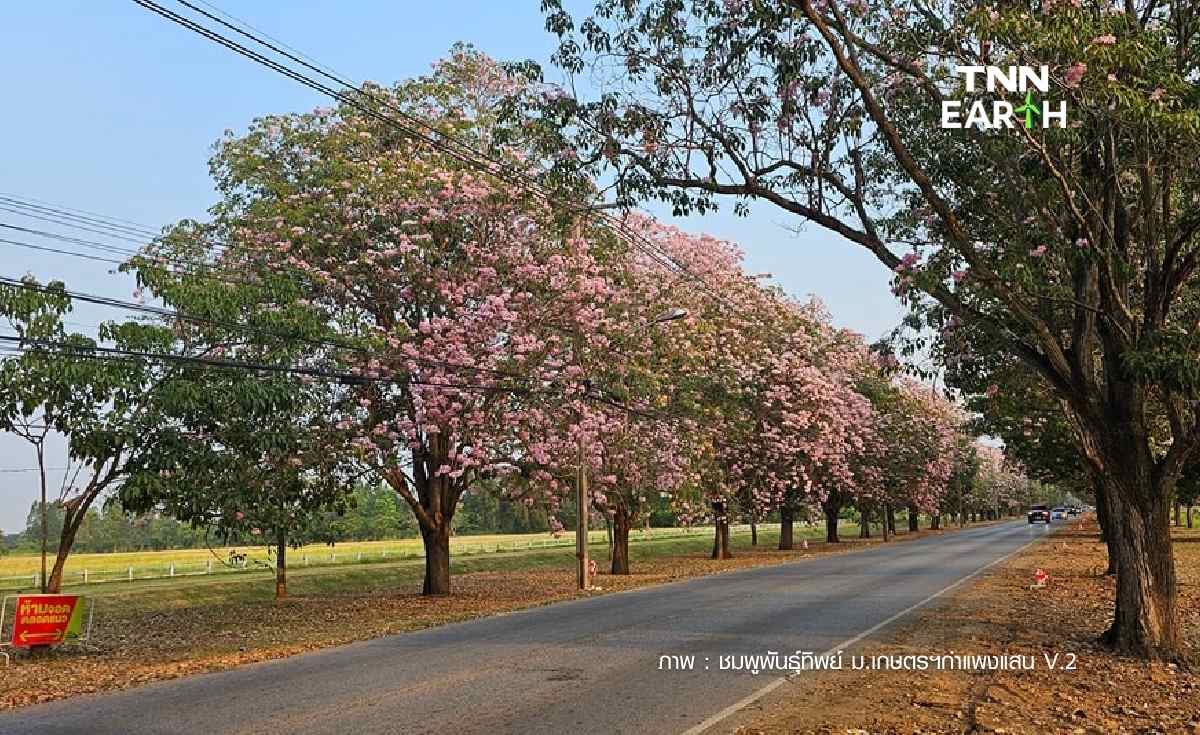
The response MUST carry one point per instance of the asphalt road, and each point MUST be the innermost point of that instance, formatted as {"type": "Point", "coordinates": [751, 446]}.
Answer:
{"type": "Point", "coordinates": [587, 666]}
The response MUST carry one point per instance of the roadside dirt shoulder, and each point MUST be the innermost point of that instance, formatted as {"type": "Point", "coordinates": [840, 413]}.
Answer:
{"type": "Point", "coordinates": [1075, 686]}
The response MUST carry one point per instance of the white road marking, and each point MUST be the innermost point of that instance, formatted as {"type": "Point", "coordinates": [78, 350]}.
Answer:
{"type": "Point", "coordinates": [764, 691]}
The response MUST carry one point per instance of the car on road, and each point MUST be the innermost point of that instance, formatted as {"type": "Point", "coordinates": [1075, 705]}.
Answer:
{"type": "Point", "coordinates": [1058, 514]}
{"type": "Point", "coordinates": [1039, 514]}
{"type": "Point", "coordinates": [1074, 510]}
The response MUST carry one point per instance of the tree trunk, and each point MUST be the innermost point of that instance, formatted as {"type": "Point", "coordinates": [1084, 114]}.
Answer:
{"type": "Point", "coordinates": [620, 547]}
{"type": "Point", "coordinates": [54, 584]}
{"type": "Point", "coordinates": [786, 526]}
{"type": "Point", "coordinates": [437, 559]}
{"type": "Point", "coordinates": [1144, 620]}
{"type": "Point", "coordinates": [864, 522]}
{"type": "Point", "coordinates": [434, 502]}
{"type": "Point", "coordinates": [1178, 515]}
{"type": "Point", "coordinates": [913, 516]}
{"type": "Point", "coordinates": [1189, 516]}
{"type": "Point", "coordinates": [832, 514]}
{"type": "Point", "coordinates": [885, 519]}
{"type": "Point", "coordinates": [753, 531]}
{"type": "Point", "coordinates": [935, 522]}
{"type": "Point", "coordinates": [1106, 519]}
{"type": "Point", "coordinates": [74, 514]}
{"type": "Point", "coordinates": [891, 521]}
{"type": "Point", "coordinates": [721, 537]}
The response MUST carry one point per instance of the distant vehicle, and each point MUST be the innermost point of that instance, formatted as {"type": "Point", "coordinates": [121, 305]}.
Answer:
{"type": "Point", "coordinates": [1039, 514]}
{"type": "Point", "coordinates": [1074, 510]}
{"type": "Point", "coordinates": [1058, 514]}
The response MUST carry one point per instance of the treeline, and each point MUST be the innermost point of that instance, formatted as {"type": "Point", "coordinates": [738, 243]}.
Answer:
{"type": "Point", "coordinates": [375, 513]}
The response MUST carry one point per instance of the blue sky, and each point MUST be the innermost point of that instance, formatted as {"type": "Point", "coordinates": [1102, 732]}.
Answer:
{"type": "Point", "coordinates": [112, 109]}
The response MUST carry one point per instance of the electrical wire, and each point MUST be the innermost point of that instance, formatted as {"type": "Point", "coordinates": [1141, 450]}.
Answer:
{"type": "Point", "coordinates": [239, 327]}
{"type": "Point", "coordinates": [471, 157]}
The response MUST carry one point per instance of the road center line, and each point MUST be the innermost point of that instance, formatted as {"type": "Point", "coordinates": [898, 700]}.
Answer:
{"type": "Point", "coordinates": [764, 691]}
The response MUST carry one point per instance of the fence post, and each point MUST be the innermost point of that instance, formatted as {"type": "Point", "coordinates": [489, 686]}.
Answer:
{"type": "Point", "coordinates": [130, 574]}
{"type": "Point", "coordinates": [208, 567]}
{"type": "Point", "coordinates": [171, 573]}
{"type": "Point", "coordinates": [35, 580]}
{"type": "Point", "coordinates": [360, 556]}
{"type": "Point", "coordinates": [85, 576]}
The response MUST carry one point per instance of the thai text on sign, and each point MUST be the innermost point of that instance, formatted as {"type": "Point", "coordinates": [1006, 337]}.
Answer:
{"type": "Point", "coordinates": [46, 620]}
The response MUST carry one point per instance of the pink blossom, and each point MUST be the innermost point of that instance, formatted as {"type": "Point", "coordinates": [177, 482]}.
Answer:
{"type": "Point", "coordinates": [1074, 74]}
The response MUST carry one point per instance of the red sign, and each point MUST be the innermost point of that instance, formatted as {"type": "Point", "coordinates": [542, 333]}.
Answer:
{"type": "Point", "coordinates": [46, 620]}
{"type": "Point", "coordinates": [1040, 577]}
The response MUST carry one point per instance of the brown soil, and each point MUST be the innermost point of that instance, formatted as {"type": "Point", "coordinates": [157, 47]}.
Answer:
{"type": "Point", "coordinates": [1000, 614]}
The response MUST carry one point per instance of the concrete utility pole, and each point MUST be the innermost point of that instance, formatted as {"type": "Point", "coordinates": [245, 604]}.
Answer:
{"type": "Point", "coordinates": [582, 575]}
{"type": "Point", "coordinates": [582, 571]}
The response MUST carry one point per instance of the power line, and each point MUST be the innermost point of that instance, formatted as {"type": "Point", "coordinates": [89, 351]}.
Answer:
{"type": "Point", "coordinates": [203, 277]}
{"type": "Point", "coordinates": [98, 352]}
{"type": "Point", "coordinates": [60, 207]}
{"type": "Point", "coordinates": [233, 326]}
{"type": "Point", "coordinates": [112, 354]}
{"type": "Point", "coordinates": [41, 217]}
{"type": "Point", "coordinates": [471, 157]}
{"type": "Point", "coordinates": [44, 249]}
{"type": "Point", "coordinates": [90, 219]}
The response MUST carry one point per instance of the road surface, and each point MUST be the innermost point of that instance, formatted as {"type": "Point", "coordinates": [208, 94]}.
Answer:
{"type": "Point", "coordinates": [586, 666]}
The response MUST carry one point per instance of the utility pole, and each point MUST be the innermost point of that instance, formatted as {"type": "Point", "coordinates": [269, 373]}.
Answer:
{"type": "Point", "coordinates": [41, 458]}
{"type": "Point", "coordinates": [582, 571]}
{"type": "Point", "coordinates": [581, 524]}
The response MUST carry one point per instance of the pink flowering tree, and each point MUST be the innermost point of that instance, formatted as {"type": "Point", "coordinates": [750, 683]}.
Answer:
{"type": "Point", "coordinates": [1075, 248]}
{"type": "Point", "coordinates": [450, 297]}
{"type": "Point", "coordinates": [683, 351]}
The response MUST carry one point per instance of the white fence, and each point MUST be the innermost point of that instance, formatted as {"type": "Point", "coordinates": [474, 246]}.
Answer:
{"type": "Point", "coordinates": [460, 546]}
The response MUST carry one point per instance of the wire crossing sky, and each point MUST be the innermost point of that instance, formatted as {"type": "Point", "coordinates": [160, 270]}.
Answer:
{"type": "Point", "coordinates": [114, 110]}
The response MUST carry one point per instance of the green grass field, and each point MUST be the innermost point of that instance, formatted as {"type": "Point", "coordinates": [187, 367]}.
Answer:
{"type": "Point", "coordinates": [197, 559]}
{"type": "Point", "coordinates": [18, 572]}
{"type": "Point", "coordinates": [384, 576]}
